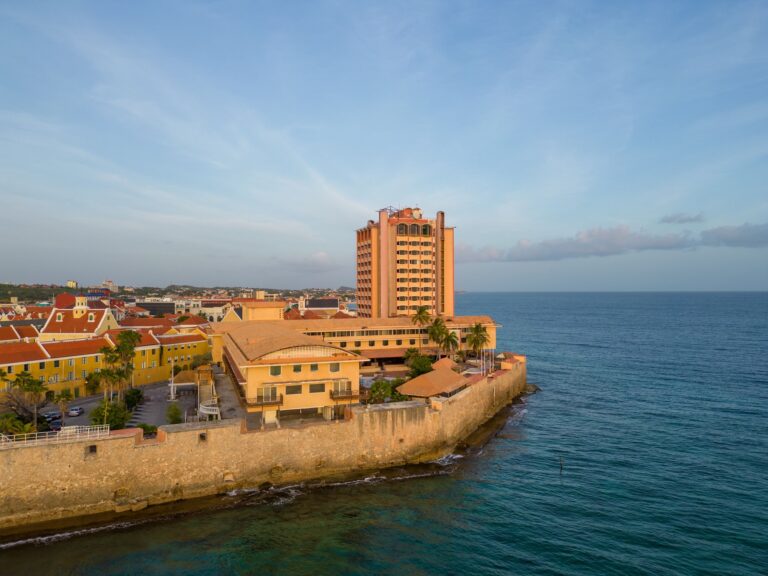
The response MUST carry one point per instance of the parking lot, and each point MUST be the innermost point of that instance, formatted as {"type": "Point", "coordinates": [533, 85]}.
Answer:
{"type": "Point", "coordinates": [150, 411]}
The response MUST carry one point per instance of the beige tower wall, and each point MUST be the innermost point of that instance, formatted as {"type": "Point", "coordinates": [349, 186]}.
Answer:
{"type": "Point", "coordinates": [449, 288]}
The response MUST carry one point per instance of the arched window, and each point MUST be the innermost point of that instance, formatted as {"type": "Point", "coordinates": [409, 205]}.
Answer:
{"type": "Point", "coordinates": [402, 229]}
{"type": "Point", "coordinates": [426, 230]}
{"type": "Point", "coordinates": [414, 229]}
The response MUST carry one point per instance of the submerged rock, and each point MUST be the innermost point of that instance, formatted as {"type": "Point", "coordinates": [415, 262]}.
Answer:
{"type": "Point", "coordinates": [531, 388]}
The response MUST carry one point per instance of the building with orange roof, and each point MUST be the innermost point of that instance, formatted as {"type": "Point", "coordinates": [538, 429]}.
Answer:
{"type": "Point", "coordinates": [77, 321]}
{"type": "Point", "coordinates": [281, 372]}
{"type": "Point", "coordinates": [405, 261]}
{"type": "Point", "coordinates": [65, 364]}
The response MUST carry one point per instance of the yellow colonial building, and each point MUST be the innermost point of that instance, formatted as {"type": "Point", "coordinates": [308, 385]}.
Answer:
{"type": "Point", "coordinates": [281, 372]}
{"type": "Point", "coordinates": [66, 364]}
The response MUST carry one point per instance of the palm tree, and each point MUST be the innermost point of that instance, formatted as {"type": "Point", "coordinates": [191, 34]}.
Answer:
{"type": "Point", "coordinates": [450, 342]}
{"type": "Point", "coordinates": [421, 318]}
{"type": "Point", "coordinates": [126, 348]}
{"type": "Point", "coordinates": [61, 400]}
{"type": "Point", "coordinates": [33, 388]}
{"type": "Point", "coordinates": [477, 338]}
{"type": "Point", "coordinates": [92, 382]}
{"type": "Point", "coordinates": [409, 355]}
{"type": "Point", "coordinates": [437, 332]}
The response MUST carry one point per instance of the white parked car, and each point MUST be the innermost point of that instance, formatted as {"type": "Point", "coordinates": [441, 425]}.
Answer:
{"type": "Point", "coordinates": [75, 411]}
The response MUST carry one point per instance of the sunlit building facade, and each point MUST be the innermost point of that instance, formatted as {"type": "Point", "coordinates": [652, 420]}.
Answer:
{"type": "Point", "coordinates": [404, 261]}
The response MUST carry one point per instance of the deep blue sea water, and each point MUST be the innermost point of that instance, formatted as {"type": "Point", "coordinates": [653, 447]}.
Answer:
{"type": "Point", "coordinates": [656, 405]}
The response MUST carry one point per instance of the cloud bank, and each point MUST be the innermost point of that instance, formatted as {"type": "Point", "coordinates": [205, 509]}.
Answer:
{"type": "Point", "coordinates": [682, 218]}
{"type": "Point", "coordinates": [616, 241]}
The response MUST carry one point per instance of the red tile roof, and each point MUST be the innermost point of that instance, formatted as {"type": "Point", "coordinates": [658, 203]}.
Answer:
{"type": "Point", "coordinates": [193, 321]}
{"type": "Point", "coordinates": [292, 314]}
{"type": "Point", "coordinates": [28, 331]}
{"type": "Point", "coordinates": [69, 324]}
{"type": "Point", "coordinates": [8, 333]}
{"type": "Point", "coordinates": [341, 314]}
{"type": "Point", "coordinates": [146, 322]}
{"type": "Point", "coordinates": [180, 338]}
{"type": "Point", "coordinates": [38, 311]}
{"type": "Point", "coordinates": [64, 300]}
{"type": "Point", "coordinates": [147, 337]}
{"type": "Point", "coordinates": [67, 348]}
{"type": "Point", "coordinates": [17, 352]}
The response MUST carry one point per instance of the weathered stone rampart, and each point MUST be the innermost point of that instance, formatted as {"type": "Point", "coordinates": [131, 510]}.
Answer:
{"type": "Point", "coordinates": [124, 472]}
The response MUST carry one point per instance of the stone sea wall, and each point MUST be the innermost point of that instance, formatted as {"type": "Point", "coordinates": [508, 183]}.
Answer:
{"type": "Point", "coordinates": [124, 472]}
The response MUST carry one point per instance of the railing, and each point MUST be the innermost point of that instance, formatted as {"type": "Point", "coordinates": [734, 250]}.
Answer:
{"type": "Point", "coordinates": [209, 407]}
{"type": "Point", "coordinates": [344, 394]}
{"type": "Point", "coordinates": [66, 434]}
{"type": "Point", "coordinates": [276, 400]}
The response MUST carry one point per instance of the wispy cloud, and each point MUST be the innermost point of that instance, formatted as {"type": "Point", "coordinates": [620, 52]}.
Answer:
{"type": "Point", "coordinates": [616, 241]}
{"type": "Point", "coordinates": [682, 218]}
{"type": "Point", "coordinates": [744, 236]}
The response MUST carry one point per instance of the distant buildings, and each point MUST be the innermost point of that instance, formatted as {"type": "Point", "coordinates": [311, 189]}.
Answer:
{"type": "Point", "coordinates": [405, 261]}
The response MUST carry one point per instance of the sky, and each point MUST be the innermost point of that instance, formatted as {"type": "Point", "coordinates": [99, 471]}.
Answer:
{"type": "Point", "coordinates": [574, 145]}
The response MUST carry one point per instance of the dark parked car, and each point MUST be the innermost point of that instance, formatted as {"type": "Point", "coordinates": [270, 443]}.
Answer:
{"type": "Point", "coordinates": [55, 425]}
{"type": "Point", "coordinates": [51, 416]}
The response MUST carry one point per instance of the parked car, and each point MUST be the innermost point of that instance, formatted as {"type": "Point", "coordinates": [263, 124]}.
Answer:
{"type": "Point", "coordinates": [51, 416]}
{"type": "Point", "coordinates": [55, 425]}
{"type": "Point", "coordinates": [75, 411]}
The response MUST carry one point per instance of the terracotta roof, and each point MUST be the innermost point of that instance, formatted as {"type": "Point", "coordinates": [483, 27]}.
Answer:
{"type": "Point", "coordinates": [434, 383]}
{"type": "Point", "coordinates": [64, 300]}
{"type": "Point", "coordinates": [67, 348]}
{"type": "Point", "coordinates": [341, 314]}
{"type": "Point", "coordinates": [147, 337]}
{"type": "Point", "coordinates": [193, 321]}
{"type": "Point", "coordinates": [234, 367]}
{"type": "Point", "coordinates": [292, 314]}
{"type": "Point", "coordinates": [444, 363]}
{"type": "Point", "coordinates": [8, 334]}
{"type": "Point", "coordinates": [70, 324]}
{"type": "Point", "coordinates": [180, 338]}
{"type": "Point", "coordinates": [38, 311]}
{"type": "Point", "coordinates": [309, 315]}
{"type": "Point", "coordinates": [27, 331]}
{"type": "Point", "coordinates": [146, 322]}
{"type": "Point", "coordinates": [17, 352]}
{"type": "Point", "coordinates": [252, 343]}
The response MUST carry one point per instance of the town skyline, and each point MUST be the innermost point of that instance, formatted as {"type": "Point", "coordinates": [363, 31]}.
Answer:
{"type": "Point", "coordinates": [578, 147]}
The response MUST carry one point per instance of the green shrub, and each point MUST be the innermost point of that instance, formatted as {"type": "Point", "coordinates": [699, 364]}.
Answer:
{"type": "Point", "coordinates": [383, 390]}
{"type": "Point", "coordinates": [419, 365]}
{"type": "Point", "coordinates": [133, 398]}
{"type": "Point", "coordinates": [117, 414]}
{"type": "Point", "coordinates": [173, 414]}
{"type": "Point", "coordinates": [148, 429]}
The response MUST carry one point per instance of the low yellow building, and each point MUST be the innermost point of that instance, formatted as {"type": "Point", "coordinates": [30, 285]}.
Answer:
{"type": "Point", "coordinates": [249, 309]}
{"type": "Point", "coordinates": [376, 339]}
{"type": "Point", "coordinates": [66, 364]}
{"type": "Point", "coordinates": [281, 372]}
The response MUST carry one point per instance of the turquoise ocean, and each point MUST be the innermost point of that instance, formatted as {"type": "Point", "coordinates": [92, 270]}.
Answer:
{"type": "Point", "coordinates": [655, 405]}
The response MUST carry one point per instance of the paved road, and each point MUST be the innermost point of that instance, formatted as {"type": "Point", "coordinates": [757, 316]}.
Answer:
{"type": "Point", "coordinates": [150, 411]}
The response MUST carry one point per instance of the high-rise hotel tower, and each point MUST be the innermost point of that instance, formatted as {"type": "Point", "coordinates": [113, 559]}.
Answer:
{"type": "Point", "coordinates": [404, 261]}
